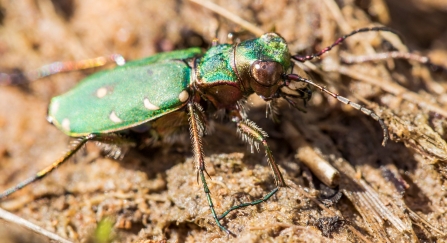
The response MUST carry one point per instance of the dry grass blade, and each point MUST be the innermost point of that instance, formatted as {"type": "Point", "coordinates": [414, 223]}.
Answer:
{"type": "Point", "coordinates": [368, 202]}
{"type": "Point", "coordinates": [231, 16]}
{"type": "Point", "coordinates": [392, 88]}
{"type": "Point", "coordinates": [415, 132]}
{"type": "Point", "coordinates": [11, 218]}
{"type": "Point", "coordinates": [418, 219]}
{"type": "Point", "coordinates": [371, 197]}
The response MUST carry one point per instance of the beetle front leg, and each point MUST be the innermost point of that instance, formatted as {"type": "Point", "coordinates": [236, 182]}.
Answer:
{"type": "Point", "coordinates": [253, 135]}
{"type": "Point", "coordinates": [196, 128]}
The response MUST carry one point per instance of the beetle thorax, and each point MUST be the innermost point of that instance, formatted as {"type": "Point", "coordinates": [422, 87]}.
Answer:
{"type": "Point", "coordinates": [227, 73]}
{"type": "Point", "coordinates": [215, 79]}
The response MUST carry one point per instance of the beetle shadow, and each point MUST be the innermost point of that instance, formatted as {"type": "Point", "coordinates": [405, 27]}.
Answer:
{"type": "Point", "coordinates": [357, 139]}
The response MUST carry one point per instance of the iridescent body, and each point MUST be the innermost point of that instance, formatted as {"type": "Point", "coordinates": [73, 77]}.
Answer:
{"type": "Point", "coordinates": [143, 91]}
{"type": "Point", "coordinates": [169, 90]}
{"type": "Point", "coordinates": [124, 97]}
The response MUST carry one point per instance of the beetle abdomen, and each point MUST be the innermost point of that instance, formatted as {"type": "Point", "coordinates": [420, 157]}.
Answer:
{"type": "Point", "coordinates": [121, 98]}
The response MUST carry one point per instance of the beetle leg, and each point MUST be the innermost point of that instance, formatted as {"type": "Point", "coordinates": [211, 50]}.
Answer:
{"type": "Point", "coordinates": [42, 173]}
{"type": "Point", "coordinates": [196, 131]}
{"type": "Point", "coordinates": [59, 67]}
{"type": "Point", "coordinates": [253, 135]}
{"type": "Point", "coordinates": [114, 145]}
{"type": "Point", "coordinates": [76, 146]}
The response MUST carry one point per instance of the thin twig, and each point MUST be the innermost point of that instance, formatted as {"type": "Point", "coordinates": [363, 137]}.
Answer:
{"type": "Point", "coordinates": [385, 55]}
{"type": "Point", "coordinates": [319, 166]}
{"type": "Point", "coordinates": [9, 217]}
{"type": "Point", "coordinates": [384, 84]}
{"type": "Point", "coordinates": [230, 16]}
{"type": "Point", "coordinates": [417, 218]}
{"type": "Point", "coordinates": [394, 89]}
{"type": "Point", "coordinates": [333, 8]}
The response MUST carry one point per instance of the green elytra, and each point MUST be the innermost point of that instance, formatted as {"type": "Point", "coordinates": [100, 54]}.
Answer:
{"type": "Point", "coordinates": [124, 97]}
{"type": "Point", "coordinates": [173, 86]}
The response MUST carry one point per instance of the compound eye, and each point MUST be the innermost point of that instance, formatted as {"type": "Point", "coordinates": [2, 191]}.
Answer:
{"type": "Point", "coordinates": [266, 73]}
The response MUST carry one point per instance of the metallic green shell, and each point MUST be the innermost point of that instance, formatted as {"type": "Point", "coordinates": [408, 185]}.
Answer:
{"type": "Point", "coordinates": [268, 47]}
{"type": "Point", "coordinates": [124, 97]}
{"type": "Point", "coordinates": [224, 75]}
{"type": "Point", "coordinates": [215, 65]}
{"type": "Point", "coordinates": [143, 90]}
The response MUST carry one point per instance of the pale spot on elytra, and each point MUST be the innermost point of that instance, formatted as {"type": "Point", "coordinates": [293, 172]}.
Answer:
{"type": "Point", "coordinates": [50, 119]}
{"type": "Point", "coordinates": [149, 105]}
{"type": "Point", "coordinates": [54, 107]}
{"type": "Point", "coordinates": [66, 124]}
{"type": "Point", "coordinates": [101, 92]}
{"type": "Point", "coordinates": [113, 117]}
{"type": "Point", "coordinates": [183, 96]}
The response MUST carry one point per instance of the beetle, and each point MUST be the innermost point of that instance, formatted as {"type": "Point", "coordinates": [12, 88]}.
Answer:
{"type": "Point", "coordinates": [181, 88]}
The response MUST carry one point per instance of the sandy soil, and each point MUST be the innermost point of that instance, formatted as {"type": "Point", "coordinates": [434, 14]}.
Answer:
{"type": "Point", "coordinates": [395, 193]}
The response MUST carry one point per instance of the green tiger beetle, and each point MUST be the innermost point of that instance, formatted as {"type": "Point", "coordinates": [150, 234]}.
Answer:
{"type": "Point", "coordinates": [182, 86]}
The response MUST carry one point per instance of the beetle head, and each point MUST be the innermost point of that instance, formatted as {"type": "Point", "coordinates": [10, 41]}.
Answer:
{"type": "Point", "coordinates": [261, 63]}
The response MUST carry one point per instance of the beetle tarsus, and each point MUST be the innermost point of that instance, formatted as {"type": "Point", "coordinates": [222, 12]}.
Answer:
{"type": "Point", "coordinates": [256, 202]}
{"type": "Point", "coordinates": [195, 126]}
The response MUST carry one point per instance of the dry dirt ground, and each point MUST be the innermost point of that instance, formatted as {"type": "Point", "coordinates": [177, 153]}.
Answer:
{"type": "Point", "coordinates": [395, 193]}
